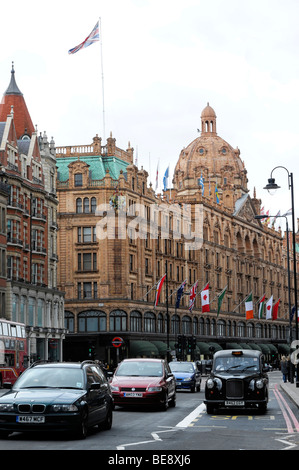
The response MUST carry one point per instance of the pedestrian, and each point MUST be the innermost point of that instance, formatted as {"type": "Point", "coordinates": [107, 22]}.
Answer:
{"type": "Point", "coordinates": [284, 368]}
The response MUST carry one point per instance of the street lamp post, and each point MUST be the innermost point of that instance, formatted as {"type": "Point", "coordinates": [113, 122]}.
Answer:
{"type": "Point", "coordinates": [261, 217]}
{"type": "Point", "coordinates": [273, 186]}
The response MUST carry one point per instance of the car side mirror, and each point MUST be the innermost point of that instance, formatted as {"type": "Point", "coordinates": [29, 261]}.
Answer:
{"type": "Point", "coordinates": [95, 386]}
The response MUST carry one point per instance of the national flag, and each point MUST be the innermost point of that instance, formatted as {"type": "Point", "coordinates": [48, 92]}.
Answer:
{"type": "Point", "coordinates": [192, 296]}
{"type": "Point", "coordinates": [165, 178]}
{"type": "Point", "coordinates": [157, 176]}
{"type": "Point", "coordinates": [249, 307]}
{"type": "Point", "coordinates": [289, 212]}
{"type": "Point", "coordinates": [266, 220]}
{"type": "Point", "coordinates": [275, 310]}
{"type": "Point", "coordinates": [93, 37]}
{"type": "Point", "coordinates": [269, 305]}
{"type": "Point", "coordinates": [205, 300]}
{"type": "Point", "coordinates": [201, 183]}
{"type": "Point", "coordinates": [179, 294]}
{"type": "Point", "coordinates": [220, 298]}
{"type": "Point", "coordinates": [216, 194]}
{"type": "Point", "coordinates": [158, 290]}
{"type": "Point", "coordinates": [261, 307]}
{"type": "Point", "coordinates": [274, 218]}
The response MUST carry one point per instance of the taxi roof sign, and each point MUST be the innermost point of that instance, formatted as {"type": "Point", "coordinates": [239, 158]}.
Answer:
{"type": "Point", "coordinates": [237, 353]}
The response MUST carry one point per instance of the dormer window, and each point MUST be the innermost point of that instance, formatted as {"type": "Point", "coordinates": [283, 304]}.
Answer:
{"type": "Point", "coordinates": [78, 179]}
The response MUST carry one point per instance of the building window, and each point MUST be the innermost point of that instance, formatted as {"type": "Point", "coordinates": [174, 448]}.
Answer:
{"type": "Point", "coordinates": [149, 322]}
{"type": "Point", "coordinates": [69, 321]}
{"type": "Point", "coordinates": [78, 179]}
{"type": "Point", "coordinates": [91, 320]}
{"type": "Point", "coordinates": [135, 321]}
{"type": "Point", "coordinates": [79, 205]}
{"type": "Point", "coordinates": [118, 321]}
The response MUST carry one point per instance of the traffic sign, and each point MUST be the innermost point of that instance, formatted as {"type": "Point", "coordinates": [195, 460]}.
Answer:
{"type": "Point", "coordinates": [117, 342]}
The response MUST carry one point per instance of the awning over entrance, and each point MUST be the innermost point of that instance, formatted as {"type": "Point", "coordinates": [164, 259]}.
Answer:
{"type": "Point", "coordinates": [162, 347]}
{"type": "Point", "coordinates": [203, 348]}
{"type": "Point", "coordinates": [139, 348]}
{"type": "Point", "coordinates": [283, 349]}
{"type": "Point", "coordinates": [233, 346]}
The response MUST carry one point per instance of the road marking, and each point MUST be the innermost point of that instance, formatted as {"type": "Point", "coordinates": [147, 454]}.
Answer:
{"type": "Point", "coordinates": [194, 414]}
{"type": "Point", "coordinates": [285, 410]}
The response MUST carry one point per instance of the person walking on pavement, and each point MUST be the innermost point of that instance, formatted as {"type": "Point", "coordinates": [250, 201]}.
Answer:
{"type": "Point", "coordinates": [284, 368]}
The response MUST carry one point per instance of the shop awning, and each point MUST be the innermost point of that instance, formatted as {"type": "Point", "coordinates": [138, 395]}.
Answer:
{"type": "Point", "coordinates": [273, 349]}
{"type": "Point", "coordinates": [245, 346]}
{"type": "Point", "coordinates": [216, 346]}
{"type": "Point", "coordinates": [233, 346]}
{"type": "Point", "coordinates": [203, 347]}
{"type": "Point", "coordinates": [143, 348]}
{"type": "Point", "coordinates": [265, 348]}
{"type": "Point", "coordinates": [162, 347]}
{"type": "Point", "coordinates": [283, 348]}
{"type": "Point", "coordinates": [256, 347]}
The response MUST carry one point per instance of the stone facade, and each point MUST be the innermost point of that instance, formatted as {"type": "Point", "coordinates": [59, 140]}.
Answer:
{"type": "Point", "coordinates": [116, 237]}
{"type": "Point", "coordinates": [28, 166]}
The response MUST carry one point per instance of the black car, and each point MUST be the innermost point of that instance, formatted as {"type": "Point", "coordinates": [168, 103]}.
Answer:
{"type": "Point", "coordinates": [238, 380]}
{"type": "Point", "coordinates": [61, 396]}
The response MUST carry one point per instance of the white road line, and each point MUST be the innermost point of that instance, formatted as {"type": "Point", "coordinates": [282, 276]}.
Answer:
{"type": "Point", "coordinates": [186, 421]}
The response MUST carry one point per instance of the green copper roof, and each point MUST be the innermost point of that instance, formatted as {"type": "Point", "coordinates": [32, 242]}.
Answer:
{"type": "Point", "coordinates": [98, 166]}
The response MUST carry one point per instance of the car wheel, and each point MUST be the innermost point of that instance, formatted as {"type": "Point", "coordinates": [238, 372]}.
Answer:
{"type": "Point", "coordinates": [210, 408]}
{"type": "Point", "coordinates": [165, 403]}
{"type": "Point", "coordinates": [107, 424]}
{"type": "Point", "coordinates": [172, 402]}
{"type": "Point", "coordinates": [193, 388]}
{"type": "Point", "coordinates": [82, 430]}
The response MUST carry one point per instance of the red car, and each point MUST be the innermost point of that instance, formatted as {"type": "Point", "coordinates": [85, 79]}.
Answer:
{"type": "Point", "coordinates": [143, 382]}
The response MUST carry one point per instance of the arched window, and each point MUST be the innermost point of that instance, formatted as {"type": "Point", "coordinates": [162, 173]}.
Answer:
{"type": "Point", "coordinates": [186, 325]}
{"type": "Point", "coordinates": [79, 205]}
{"type": "Point", "coordinates": [91, 320]}
{"type": "Point", "coordinates": [93, 202]}
{"type": "Point", "coordinates": [86, 205]}
{"type": "Point", "coordinates": [118, 321]}
{"type": "Point", "coordinates": [149, 322]}
{"type": "Point", "coordinates": [160, 323]}
{"type": "Point", "coordinates": [135, 321]}
{"type": "Point", "coordinates": [69, 322]}
{"type": "Point", "coordinates": [175, 324]}
{"type": "Point", "coordinates": [221, 328]}
{"type": "Point", "coordinates": [195, 326]}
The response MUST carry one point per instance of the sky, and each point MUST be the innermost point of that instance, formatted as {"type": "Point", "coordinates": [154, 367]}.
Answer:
{"type": "Point", "coordinates": [158, 64]}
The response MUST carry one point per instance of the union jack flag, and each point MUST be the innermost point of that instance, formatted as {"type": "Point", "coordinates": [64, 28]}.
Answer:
{"type": "Point", "coordinates": [93, 37]}
{"type": "Point", "coordinates": [192, 296]}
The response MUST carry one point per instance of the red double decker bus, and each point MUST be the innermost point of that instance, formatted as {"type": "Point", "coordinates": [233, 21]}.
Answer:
{"type": "Point", "coordinates": [13, 351]}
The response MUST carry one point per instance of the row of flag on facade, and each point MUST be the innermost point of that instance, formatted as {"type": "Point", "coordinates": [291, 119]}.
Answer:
{"type": "Point", "coordinates": [267, 309]}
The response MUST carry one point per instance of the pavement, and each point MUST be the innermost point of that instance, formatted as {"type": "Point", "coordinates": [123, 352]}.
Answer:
{"type": "Point", "coordinates": [291, 390]}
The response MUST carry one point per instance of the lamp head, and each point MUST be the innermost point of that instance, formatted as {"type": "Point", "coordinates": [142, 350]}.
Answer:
{"type": "Point", "coordinates": [271, 186]}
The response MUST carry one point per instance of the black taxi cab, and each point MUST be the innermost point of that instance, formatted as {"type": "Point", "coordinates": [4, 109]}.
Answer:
{"type": "Point", "coordinates": [238, 379]}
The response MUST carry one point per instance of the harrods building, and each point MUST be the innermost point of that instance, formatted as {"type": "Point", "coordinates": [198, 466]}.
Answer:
{"type": "Point", "coordinates": [116, 239]}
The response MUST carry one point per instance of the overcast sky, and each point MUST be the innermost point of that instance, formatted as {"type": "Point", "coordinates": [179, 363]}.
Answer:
{"type": "Point", "coordinates": [163, 60]}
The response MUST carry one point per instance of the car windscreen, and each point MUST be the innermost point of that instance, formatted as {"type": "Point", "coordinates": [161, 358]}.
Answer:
{"type": "Point", "coordinates": [177, 367]}
{"type": "Point", "coordinates": [238, 363]}
{"type": "Point", "coordinates": [140, 369]}
{"type": "Point", "coordinates": [44, 377]}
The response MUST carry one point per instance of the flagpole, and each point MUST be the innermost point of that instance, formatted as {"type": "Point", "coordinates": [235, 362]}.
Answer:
{"type": "Point", "coordinates": [102, 71]}
{"type": "Point", "coordinates": [242, 301]}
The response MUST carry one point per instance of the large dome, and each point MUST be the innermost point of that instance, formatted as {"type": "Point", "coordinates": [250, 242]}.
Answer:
{"type": "Point", "coordinates": [210, 157]}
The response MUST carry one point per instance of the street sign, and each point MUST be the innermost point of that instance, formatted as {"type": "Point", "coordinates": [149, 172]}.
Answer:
{"type": "Point", "coordinates": [117, 342]}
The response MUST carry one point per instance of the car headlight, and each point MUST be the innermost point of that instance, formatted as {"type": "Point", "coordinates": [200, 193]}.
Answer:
{"type": "Point", "coordinates": [259, 383]}
{"type": "Point", "coordinates": [154, 389]}
{"type": "Point", "coordinates": [210, 383]}
{"type": "Point", "coordinates": [6, 407]}
{"type": "Point", "coordinates": [187, 379]}
{"type": "Point", "coordinates": [64, 408]}
{"type": "Point", "coordinates": [114, 388]}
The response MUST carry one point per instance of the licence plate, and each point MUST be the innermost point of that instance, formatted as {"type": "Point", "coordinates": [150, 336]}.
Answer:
{"type": "Point", "coordinates": [133, 394]}
{"type": "Point", "coordinates": [30, 419]}
{"type": "Point", "coordinates": [234, 403]}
